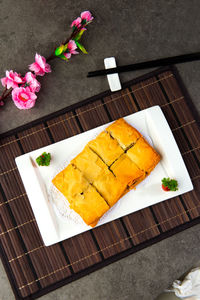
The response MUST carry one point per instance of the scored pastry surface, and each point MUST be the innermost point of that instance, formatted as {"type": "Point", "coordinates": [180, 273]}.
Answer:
{"type": "Point", "coordinates": [126, 170]}
{"type": "Point", "coordinates": [126, 137]}
{"type": "Point", "coordinates": [143, 155]}
{"type": "Point", "coordinates": [83, 197]}
{"type": "Point", "coordinates": [110, 187]}
{"type": "Point", "coordinates": [106, 147]}
{"type": "Point", "coordinates": [107, 168]}
{"type": "Point", "coordinates": [70, 182]}
{"type": "Point", "coordinates": [90, 205]}
{"type": "Point", "coordinates": [90, 164]}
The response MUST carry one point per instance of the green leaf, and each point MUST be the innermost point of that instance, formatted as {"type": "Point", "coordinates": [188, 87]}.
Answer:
{"type": "Point", "coordinates": [44, 159]}
{"type": "Point", "coordinates": [63, 57]}
{"type": "Point", "coordinates": [79, 35]}
{"type": "Point", "coordinates": [80, 46]}
{"type": "Point", "coordinates": [172, 184]}
{"type": "Point", "coordinates": [26, 84]}
{"type": "Point", "coordinates": [59, 50]}
{"type": "Point", "coordinates": [65, 47]}
{"type": "Point", "coordinates": [84, 22]}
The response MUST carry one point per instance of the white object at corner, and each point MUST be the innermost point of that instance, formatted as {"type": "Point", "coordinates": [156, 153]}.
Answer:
{"type": "Point", "coordinates": [189, 288]}
{"type": "Point", "coordinates": [113, 79]}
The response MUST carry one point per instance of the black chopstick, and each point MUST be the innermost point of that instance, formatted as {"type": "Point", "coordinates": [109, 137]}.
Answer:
{"type": "Point", "coordinates": [148, 64]}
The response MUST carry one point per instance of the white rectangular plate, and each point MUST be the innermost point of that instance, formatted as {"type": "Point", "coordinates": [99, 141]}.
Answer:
{"type": "Point", "coordinates": [151, 123]}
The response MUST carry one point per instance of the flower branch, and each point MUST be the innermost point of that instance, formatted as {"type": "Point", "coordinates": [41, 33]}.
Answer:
{"type": "Point", "coordinates": [24, 88]}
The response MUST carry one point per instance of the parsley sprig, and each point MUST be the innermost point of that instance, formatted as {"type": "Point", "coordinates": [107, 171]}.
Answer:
{"type": "Point", "coordinates": [44, 159]}
{"type": "Point", "coordinates": [171, 184]}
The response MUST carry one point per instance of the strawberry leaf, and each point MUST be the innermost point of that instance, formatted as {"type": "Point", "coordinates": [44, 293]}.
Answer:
{"type": "Point", "coordinates": [171, 184]}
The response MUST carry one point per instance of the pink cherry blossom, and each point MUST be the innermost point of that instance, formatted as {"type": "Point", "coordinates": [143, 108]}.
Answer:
{"type": "Point", "coordinates": [34, 85]}
{"type": "Point", "coordinates": [40, 67]}
{"type": "Point", "coordinates": [12, 79]}
{"type": "Point", "coordinates": [86, 15]}
{"type": "Point", "coordinates": [71, 46]}
{"type": "Point", "coordinates": [76, 23]}
{"type": "Point", "coordinates": [23, 97]}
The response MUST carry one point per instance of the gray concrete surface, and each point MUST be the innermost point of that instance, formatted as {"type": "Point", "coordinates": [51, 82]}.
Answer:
{"type": "Point", "coordinates": [141, 276]}
{"type": "Point", "coordinates": [132, 31]}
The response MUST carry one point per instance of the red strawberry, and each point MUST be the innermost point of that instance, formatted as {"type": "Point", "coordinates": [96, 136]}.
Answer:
{"type": "Point", "coordinates": [165, 188]}
{"type": "Point", "coordinates": [169, 184]}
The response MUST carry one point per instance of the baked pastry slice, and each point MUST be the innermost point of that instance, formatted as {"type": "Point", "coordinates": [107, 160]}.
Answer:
{"type": "Point", "coordinates": [107, 168]}
{"type": "Point", "coordinates": [124, 133]}
{"type": "Point", "coordinates": [106, 147]}
{"type": "Point", "coordinates": [70, 182]}
{"type": "Point", "coordinates": [110, 187]}
{"type": "Point", "coordinates": [89, 163]}
{"type": "Point", "coordinates": [127, 171]}
{"type": "Point", "coordinates": [143, 155]}
{"type": "Point", "coordinates": [90, 206]}
{"type": "Point", "coordinates": [83, 198]}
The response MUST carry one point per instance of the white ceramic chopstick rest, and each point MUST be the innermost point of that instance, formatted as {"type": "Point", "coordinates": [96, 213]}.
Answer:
{"type": "Point", "coordinates": [113, 79]}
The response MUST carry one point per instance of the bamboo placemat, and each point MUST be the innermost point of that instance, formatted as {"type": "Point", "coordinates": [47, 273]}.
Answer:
{"type": "Point", "coordinates": [34, 269]}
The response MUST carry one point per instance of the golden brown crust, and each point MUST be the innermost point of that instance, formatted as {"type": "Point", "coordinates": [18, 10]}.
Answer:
{"type": "Point", "coordinates": [126, 170]}
{"type": "Point", "coordinates": [135, 183]}
{"type": "Point", "coordinates": [106, 147]}
{"type": "Point", "coordinates": [106, 170]}
{"type": "Point", "coordinates": [143, 155]}
{"type": "Point", "coordinates": [83, 198]}
{"type": "Point", "coordinates": [70, 182]}
{"type": "Point", "coordinates": [89, 164]}
{"type": "Point", "coordinates": [94, 224]}
{"type": "Point", "coordinates": [124, 133]}
{"type": "Point", "coordinates": [110, 187]}
{"type": "Point", "coordinates": [90, 206]}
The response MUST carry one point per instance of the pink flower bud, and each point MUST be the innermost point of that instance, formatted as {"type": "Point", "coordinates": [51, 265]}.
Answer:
{"type": "Point", "coordinates": [40, 67]}
{"type": "Point", "coordinates": [87, 16]}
